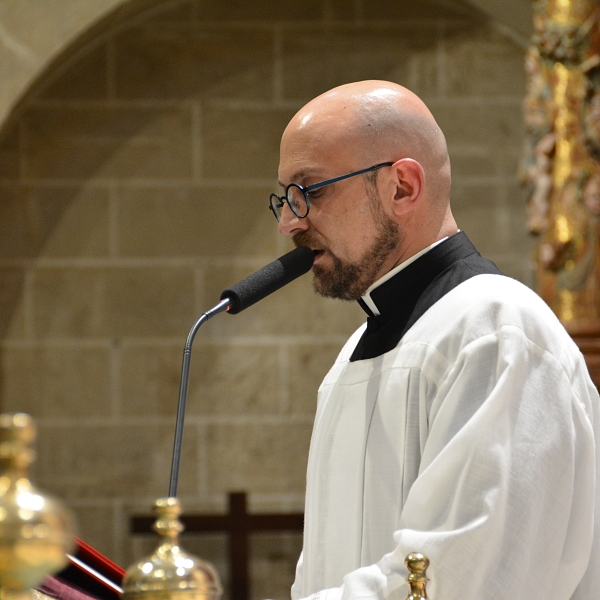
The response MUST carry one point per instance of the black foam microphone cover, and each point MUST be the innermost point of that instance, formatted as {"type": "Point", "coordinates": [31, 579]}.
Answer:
{"type": "Point", "coordinates": [269, 279]}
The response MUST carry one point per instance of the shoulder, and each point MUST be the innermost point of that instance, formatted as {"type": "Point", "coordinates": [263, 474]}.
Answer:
{"type": "Point", "coordinates": [348, 348]}
{"type": "Point", "coordinates": [486, 305]}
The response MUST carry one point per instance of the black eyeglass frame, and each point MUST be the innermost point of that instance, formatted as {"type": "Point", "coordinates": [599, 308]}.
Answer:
{"type": "Point", "coordinates": [277, 202]}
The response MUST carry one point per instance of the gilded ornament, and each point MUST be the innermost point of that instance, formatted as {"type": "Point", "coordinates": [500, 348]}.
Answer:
{"type": "Point", "coordinates": [170, 573]}
{"type": "Point", "coordinates": [417, 565]}
{"type": "Point", "coordinates": [36, 532]}
{"type": "Point", "coordinates": [560, 167]}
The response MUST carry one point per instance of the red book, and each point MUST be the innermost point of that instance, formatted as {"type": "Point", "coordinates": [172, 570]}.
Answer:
{"type": "Point", "coordinates": [89, 574]}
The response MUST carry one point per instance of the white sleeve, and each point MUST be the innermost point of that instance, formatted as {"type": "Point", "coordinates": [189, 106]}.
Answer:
{"type": "Point", "coordinates": [503, 504]}
{"type": "Point", "coordinates": [297, 585]}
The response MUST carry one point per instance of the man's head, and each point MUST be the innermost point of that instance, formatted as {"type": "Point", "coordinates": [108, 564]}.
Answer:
{"type": "Point", "coordinates": [365, 225]}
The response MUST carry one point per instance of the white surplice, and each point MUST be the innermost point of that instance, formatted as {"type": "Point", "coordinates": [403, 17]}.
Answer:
{"type": "Point", "coordinates": [474, 442]}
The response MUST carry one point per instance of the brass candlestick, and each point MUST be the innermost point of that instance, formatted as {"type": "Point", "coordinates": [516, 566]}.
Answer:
{"type": "Point", "coordinates": [170, 573]}
{"type": "Point", "coordinates": [417, 564]}
{"type": "Point", "coordinates": [36, 532]}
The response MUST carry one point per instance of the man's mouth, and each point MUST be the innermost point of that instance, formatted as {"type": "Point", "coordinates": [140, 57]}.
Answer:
{"type": "Point", "coordinates": [318, 253]}
{"type": "Point", "coordinates": [302, 239]}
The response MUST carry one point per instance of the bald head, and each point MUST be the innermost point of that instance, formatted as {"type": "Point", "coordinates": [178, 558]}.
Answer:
{"type": "Point", "coordinates": [363, 229]}
{"type": "Point", "coordinates": [379, 121]}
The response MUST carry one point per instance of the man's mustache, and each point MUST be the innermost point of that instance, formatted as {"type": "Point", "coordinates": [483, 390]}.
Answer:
{"type": "Point", "coordinates": [306, 239]}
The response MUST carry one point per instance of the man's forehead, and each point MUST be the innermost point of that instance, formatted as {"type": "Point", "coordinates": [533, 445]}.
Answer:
{"type": "Point", "coordinates": [297, 171]}
{"type": "Point", "coordinates": [310, 152]}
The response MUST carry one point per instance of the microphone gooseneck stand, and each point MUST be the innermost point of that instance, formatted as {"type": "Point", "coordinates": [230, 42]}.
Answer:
{"type": "Point", "coordinates": [239, 296]}
{"type": "Point", "coordinates": [183, 390]}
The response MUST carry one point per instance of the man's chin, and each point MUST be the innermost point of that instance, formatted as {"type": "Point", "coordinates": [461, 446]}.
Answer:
{"type": "Point", "coordinates": [329, 284]}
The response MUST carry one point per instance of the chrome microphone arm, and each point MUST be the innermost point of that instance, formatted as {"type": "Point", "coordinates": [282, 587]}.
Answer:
{"type": "Point", "coordinates": [238, 297]}
{"type": "Point", "coordinates": [183, 391]}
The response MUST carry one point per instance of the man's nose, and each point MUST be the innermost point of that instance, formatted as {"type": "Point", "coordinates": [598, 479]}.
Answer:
{"type": "Point", "coordinates": [289, 223]}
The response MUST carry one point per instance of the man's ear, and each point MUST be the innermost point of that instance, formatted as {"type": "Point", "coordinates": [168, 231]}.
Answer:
{"type": "Point", "coordinates": [408, 179]}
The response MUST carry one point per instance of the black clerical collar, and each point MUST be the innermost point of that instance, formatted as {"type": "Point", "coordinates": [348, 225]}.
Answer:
{"type": "Point", "coordinates": [372, 309]}
{"type": "Point", "coordinates": [405, 297]}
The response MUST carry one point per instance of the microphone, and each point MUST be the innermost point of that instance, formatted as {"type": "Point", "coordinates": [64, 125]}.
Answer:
{"type": "Point", "coordinates": [269, 279]}
{"type": "Point", "coordinates": [239, 296]}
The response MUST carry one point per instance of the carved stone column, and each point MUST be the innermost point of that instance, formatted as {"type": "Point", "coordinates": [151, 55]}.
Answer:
{"type": "Point", "coordinates": [562, 161]}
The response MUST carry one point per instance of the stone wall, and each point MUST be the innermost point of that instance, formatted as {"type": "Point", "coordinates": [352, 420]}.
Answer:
{"type": "Point", "coordinates": [134, 186]}
{"type": "Point", "coordinates": [33, 34]}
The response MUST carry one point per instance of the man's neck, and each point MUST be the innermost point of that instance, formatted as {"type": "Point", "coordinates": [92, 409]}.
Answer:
{"type": "Point", "coordinates": [366, 297]}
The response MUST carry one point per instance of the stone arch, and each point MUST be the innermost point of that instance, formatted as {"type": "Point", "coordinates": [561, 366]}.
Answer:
{"type": "Point", "coordinates": [192, 220]}
{"type": "Point", "coordinates": [25, 58]}
{"type": "Point", "coordinates": [37, 35]}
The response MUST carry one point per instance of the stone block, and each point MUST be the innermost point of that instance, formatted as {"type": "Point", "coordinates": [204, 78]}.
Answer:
{"type": "Point", "coordinates": [258, 457]}
{"type": "Point", "coordinates": [69, 302]}
{"type": "Point", "coordinates": [518, 268]}
{"type": "Point", "coordinates": [40, 30]}
{"type": "Point", "coordinates": [239, 380]}
{"type": "Point", "coordinates": [85, 79]}
{"type": "Point", "coordinates": [522, 252]}
{"type": "Point", "coordinates": [182, 12]}
{"type": "Point", "coordinates": [496, 124]}
{"type": "Point", "coordinates": [307, 366]}
{"type": "Point", "coordinates": [494, 217]}
{"type": "Point", "coordinates": [83, 143]}
{"type": "Point", "coordinates": [384, 11]}
{"type": "Point", "coordinates": [150, 301]}
{"type": "Point", "coordinates": [513, 194]}
{"type": "Point", "coordinates": [475, 162]}
{"type": "Point", "coordinates": [97, 527]}
{"type": "Point", "coordinates": [294, 310]}
{"type": "Point", "coordinates": [224, 380]}
{"type": "Point", "coordinates": [482, 62]}
{"type": "Point", "coordinates": [466, 193]}
{"type": "Point", "coordinates": [57, 381]}
{"type": "Point", "coordinates": [266, 10]}
{"type": "Point", "coordinates": [242, 143]}
{"type": "Point", "coordinates": [117, 302]}
{"type": "Point", "coordinates": [512, 222]}
{"type": "Point", "coordinates": [273, 563]}
{"type": "Point", "coordinates": [196, 221]}
{"type": "Point", "coordinates": [113, 461]}
{"type": "Point", "coordinates": [57, 221]}
{"type": "Point", "coordinates": [12, 323]}
{"type": "Point", "coordinates": [478, 222]}
{"type": "Point", "coordinates": [149, 379]}
{"type": "Point", "coordinates": [421, 74]}
{"type": "Point", "coordinates": [15, 77]}
{"type": "Point", "coordinates": [317, 59]}
{"type": "Point", "coordinates": [183, 61]}
{"type": "Point", "coordinates": [10, 164]}
{"type": "Point", "coordinates": [509, 161]}
{"type": "Point", "coordinates": [83, 228]}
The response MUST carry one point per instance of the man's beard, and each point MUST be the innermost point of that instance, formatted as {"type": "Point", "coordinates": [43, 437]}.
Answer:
{"type": "Point", "coordinates": [349, 281]}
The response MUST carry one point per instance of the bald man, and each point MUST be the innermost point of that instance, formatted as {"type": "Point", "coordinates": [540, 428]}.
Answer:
{"type": "Point", "coordinates": [460, 421]}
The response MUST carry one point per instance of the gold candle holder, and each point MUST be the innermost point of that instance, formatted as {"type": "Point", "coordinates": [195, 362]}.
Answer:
{"type": "Point", "coordinates": [171, 573]}
{"type": "Point", "coordinates": [417, 564]}
{"type": "Point", "coordinates": [36, 532]}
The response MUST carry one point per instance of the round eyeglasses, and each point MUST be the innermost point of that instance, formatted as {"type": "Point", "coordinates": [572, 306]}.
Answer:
{"type": "Point", "coordinates": [296, 195]}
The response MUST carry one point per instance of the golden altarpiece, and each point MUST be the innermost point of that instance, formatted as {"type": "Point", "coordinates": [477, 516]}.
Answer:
{"type": "Point", "coordinates": [561, 167]}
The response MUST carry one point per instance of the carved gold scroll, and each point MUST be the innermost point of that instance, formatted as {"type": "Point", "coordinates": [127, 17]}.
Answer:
{"type": "Point", "coordinates": [561, 166]}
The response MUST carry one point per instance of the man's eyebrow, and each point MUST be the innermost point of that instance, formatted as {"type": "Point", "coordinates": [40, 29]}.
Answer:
{"type": "Point", "coordinates": [297, 177]}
